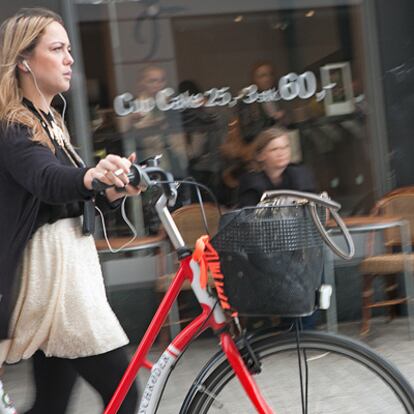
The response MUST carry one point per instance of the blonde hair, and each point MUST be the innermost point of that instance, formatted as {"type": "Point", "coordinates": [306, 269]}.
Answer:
{"type": "Point", "coordinates": [143, 73]}
{"type": "Point", "coordinates": [19, 35]}
{"type": "Point", "coordinates": [266, 136]}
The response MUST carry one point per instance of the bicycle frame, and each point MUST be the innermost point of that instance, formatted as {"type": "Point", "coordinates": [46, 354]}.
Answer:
{"type": "Point", "coordinates": [212, 316]}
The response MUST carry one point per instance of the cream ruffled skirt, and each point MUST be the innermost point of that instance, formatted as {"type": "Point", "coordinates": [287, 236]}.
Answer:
{"type": "Point", "coordinates": [62, 307]}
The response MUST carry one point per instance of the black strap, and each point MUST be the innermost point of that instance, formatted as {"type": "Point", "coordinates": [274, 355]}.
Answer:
{"type": "Point", "coordinates": [88, 226]}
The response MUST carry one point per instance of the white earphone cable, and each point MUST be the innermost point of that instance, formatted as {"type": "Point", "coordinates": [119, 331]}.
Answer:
{"type": "Point", "coordinates": [123, 212]}
{"type": "Point", "coordinates": [129, 224]}
{"type": "Point", "coordinates": [64, 106]}
{"type": "Point", "coordinates": [44, 99]}
{"type": "Point", "coordinates": [38, 89]}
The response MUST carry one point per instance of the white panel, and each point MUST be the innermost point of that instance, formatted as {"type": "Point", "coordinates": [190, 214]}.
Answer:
{"type": "Point", "coordinates": [130, 271]}
{"type": "Point", "coordinates": [138, 43]}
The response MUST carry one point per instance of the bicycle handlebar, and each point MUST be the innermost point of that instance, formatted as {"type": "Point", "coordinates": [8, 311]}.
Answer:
{"type": "Point", "coordinates": [145, 176]}
{"type": "Point", "coordinates": [149, 174]}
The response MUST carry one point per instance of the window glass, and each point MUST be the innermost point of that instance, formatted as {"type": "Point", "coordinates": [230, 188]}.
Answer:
{"type": "Point", "coordinates": [200, 88]}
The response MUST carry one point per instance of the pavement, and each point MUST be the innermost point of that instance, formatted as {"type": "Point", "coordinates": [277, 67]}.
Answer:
{"type": "Point", "coordinates": [391, 340]}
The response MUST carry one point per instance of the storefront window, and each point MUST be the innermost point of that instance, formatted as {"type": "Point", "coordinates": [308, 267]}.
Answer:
{"type": "Point", "coordinates": [198, 86]}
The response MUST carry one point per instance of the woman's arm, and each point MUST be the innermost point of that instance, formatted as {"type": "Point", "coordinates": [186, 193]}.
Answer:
{"type": "Point", "coordinates": [35, 168]}
{"type": "Point", "coordinates": [250, 190]}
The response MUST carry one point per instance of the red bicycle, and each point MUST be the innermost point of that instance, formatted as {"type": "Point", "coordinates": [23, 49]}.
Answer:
{"type": "Point", "coordinates": [272, 370]}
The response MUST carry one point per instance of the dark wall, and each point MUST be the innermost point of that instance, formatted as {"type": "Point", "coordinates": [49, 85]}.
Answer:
{"type": "Point", "coordinates": [396, 43]}
{"type": "Point", "coordinates": [8, 8]}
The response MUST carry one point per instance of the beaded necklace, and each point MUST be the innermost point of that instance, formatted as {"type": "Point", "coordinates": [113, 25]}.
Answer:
{"type": "Point", "coordinates": [56, 134]}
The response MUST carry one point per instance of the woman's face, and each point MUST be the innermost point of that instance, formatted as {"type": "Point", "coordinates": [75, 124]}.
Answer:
{"type": "Point", "coordinates": [264, 77]}
{"type": "Point", "coordinates": [154, 81]}
{"type": "Point", "coordinates": [276, 154]}
{"type": "Point", "coordinates": [51, 61]}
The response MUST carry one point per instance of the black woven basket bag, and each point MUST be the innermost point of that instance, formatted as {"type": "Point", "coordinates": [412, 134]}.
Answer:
{"type": "Point", "coordinates": [271, 257]}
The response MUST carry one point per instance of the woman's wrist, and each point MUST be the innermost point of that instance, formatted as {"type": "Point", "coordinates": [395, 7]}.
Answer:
{"type": "Point", "coordinates": [88, 178]}
{"type": "Point", "coordinates": [111, 194]}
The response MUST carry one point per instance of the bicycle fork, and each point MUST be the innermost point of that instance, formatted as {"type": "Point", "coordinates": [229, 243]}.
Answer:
{"type": "Point", "coordinates": [242, 372]}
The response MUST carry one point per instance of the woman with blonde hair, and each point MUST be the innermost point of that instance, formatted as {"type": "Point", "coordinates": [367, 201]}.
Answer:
{"type": "Point", "coordinates": [274, 170]}
{"type": "Point", "coordinates": [53, 304]}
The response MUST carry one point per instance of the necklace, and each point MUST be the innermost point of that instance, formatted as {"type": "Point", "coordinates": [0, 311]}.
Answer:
{"type": "Point", "coordinates": [56, 134]}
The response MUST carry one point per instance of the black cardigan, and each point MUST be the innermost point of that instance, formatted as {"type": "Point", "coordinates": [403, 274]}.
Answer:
{"type": "Point", "coordinates": [254, 184]}
{"type": "Point", "coordinates": [30, 174]}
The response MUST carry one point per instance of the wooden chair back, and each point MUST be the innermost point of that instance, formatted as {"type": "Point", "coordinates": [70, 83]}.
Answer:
{"type": "Point", "coordinates": [189, 221]}
{"type": "Point", "coordinates": [398, 203]}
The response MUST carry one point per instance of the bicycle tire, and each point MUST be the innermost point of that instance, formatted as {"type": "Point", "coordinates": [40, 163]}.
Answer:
{"type": "Point", "coordinates": [217, 390]}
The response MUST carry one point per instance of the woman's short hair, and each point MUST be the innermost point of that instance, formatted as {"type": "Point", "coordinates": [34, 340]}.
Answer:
{"type": "Point", "coordinates": [266, 136]}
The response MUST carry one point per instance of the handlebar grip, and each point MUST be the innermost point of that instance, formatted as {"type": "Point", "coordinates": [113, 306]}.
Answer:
{"type": "Point", "coordinates": [141, 176]}
{"type": "Point", "coordinates": [99, 186]}
{"type": "Point", "coordinates": [135, 178]}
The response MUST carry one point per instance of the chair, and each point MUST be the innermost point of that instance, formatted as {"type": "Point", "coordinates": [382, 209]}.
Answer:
{"type": "Point", "coordinates": [397, 203]}
{"type": "Point", "coordinates": [190, 223]}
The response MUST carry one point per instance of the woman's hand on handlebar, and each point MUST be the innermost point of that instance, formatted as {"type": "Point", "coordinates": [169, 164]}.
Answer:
{"type": "Point", "coordinates": [112, 170]}
{"type": "Point", "coordinates": [129, 190]}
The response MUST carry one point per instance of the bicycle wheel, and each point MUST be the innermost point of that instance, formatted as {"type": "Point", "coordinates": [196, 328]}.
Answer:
{"type": "Point", "coordinates": [344, 376]}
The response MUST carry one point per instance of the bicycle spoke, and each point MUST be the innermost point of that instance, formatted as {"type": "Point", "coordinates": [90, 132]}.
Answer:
{"type": "Point", "coordinates": [216, 403]}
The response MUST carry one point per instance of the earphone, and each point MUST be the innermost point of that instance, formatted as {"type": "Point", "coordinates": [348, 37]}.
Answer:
{"type": "Point", "coordinates": [26, 65]}
{"type": "Point", "coordinates": [29, 69]}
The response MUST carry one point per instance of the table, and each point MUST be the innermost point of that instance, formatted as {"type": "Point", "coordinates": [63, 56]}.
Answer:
{"type": "Point", "coordinates": [140, 243]}
{"type": "Point", "coordinates": [158, 243]}
{"type": "Point", "coordinates": [363, 224]}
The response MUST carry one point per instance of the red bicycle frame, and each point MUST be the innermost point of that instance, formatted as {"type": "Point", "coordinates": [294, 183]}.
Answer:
{"type": "Point", "coordinates": [193, 268]}
{"type": "Point", "coordinates": [212, 316]}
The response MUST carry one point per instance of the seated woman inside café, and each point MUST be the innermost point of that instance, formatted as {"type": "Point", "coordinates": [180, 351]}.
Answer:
{"type": "Point", "coordinates": [272, 169]}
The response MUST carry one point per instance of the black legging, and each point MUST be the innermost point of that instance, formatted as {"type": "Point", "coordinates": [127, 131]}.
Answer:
{"type": "Point", "coordinates": [55, 378]}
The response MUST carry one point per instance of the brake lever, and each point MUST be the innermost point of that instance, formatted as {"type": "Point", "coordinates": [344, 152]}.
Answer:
{"type": "Point", "coordinates": [153, 161]}
{"type": "Point", "coordinates": [173, 187]}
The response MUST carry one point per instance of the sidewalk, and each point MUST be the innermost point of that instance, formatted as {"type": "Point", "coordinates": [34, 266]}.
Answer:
{"type": "Point", "coordinates": [389, 339]}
